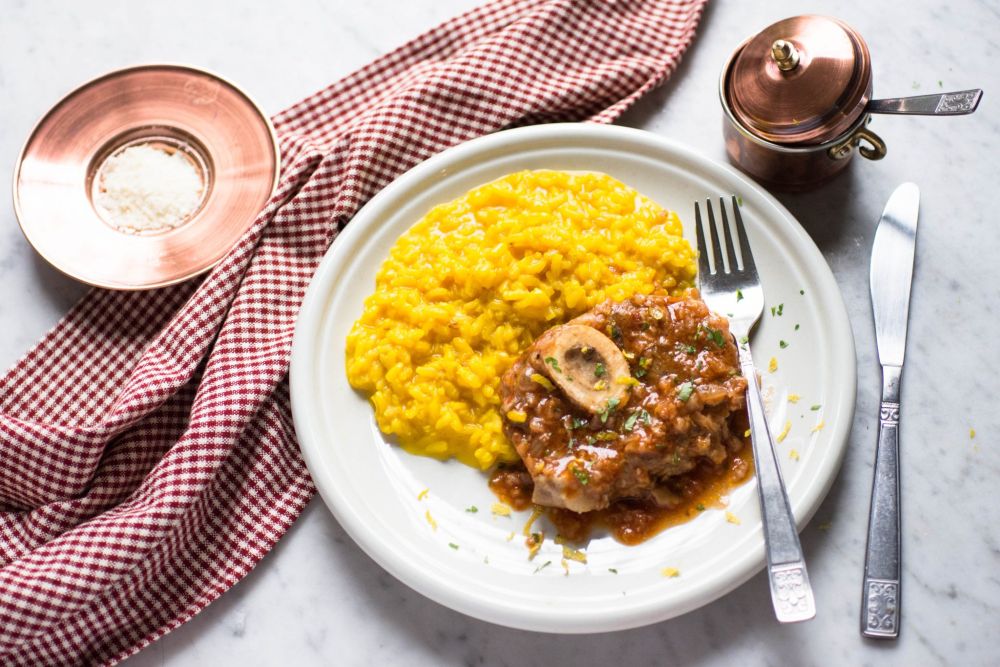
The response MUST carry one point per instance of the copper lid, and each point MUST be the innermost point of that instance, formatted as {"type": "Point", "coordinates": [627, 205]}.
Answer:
{"type": "Point", "coordinates": [803, 80]}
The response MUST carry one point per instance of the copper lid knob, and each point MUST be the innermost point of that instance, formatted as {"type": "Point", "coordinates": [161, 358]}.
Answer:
{"type": "Point", "coordinates": [801, 81]}
{"type": "Point", "coordinates": [785, 54]}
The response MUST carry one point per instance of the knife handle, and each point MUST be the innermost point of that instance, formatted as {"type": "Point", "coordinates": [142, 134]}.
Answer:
{"type": "Point", "coordinates": [880, 602]}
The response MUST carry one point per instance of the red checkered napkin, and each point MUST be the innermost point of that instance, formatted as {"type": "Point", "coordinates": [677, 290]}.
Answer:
{"type": "Point", "coordinates": [147, 456]}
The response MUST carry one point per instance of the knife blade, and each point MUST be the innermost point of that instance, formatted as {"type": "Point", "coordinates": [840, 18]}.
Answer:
{"type": "Point", "coordinates": [892, 272]}
{"type": "Point", "coordinates": [891, 279]}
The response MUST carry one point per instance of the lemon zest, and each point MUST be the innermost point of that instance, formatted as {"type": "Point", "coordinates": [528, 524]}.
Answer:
{"type": "Point", "coordinates": [500, 509]}
{"type": "Point", "coordinates": [784, 432]}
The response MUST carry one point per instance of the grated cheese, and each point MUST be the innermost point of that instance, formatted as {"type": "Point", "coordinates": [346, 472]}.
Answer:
{"type": "Point", "coordinates": [144, 189]}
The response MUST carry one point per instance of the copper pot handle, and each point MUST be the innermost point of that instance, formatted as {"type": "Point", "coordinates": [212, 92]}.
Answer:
{"type": "Point", "coordinates": [875, 150]}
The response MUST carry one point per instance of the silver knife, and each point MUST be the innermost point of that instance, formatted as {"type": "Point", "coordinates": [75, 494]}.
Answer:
{"type": "Point", "coordinates": [891, 276]}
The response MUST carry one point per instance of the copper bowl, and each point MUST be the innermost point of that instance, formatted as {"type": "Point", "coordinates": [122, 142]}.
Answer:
{"type": "Point", "coordinates": [794, 98]}
{"type": "Point", "coordinates": [225, 136]}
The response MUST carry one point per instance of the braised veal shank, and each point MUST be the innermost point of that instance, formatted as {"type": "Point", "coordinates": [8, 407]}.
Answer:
{"type": "Point", "coordinates": [614, 403]}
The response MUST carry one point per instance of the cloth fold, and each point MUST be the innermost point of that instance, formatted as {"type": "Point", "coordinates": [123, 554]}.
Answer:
{"type": "Point", "coordinates": [147, 455]}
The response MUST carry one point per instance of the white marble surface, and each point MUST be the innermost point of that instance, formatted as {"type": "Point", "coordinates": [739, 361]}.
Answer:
{"type": "Point", "coordinates": [317, 599]}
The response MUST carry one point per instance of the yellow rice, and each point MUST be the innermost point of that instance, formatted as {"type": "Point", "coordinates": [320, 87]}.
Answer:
{"type": "Point", "coordinates": [473, 283]}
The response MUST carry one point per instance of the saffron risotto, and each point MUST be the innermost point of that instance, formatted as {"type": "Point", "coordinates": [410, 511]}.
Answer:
{"type": "Point", "coordinates": [473, 283]}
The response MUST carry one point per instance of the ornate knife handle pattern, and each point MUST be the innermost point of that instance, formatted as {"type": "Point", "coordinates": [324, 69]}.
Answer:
{"type": "Point", "coordinates": [889, 414]}
{"type": "Point", "coordinates": [883, 608]}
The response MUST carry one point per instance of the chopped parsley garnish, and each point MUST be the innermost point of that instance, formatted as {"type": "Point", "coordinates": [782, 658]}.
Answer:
{"type": "Point", "coordinates": [552, 361]}
{"type": "Point", "coordinates": [802, 291]}
{"type": "Point", "coordinates": [472, 509]}
{"type": "Point", "coordinates": [684, 391]}
{"type": "Point", "coordinates": [815, 407]}
{"type": "Point", "coordinates": [612, 404]}
{"type": "Point", "coordinates": [580, 474]}
{"type": "Point", "coordinates": [453, 546]}
{"type": "Point", "coordinates": [782, 344]}
{"type": "Point", "coordinates": [796, 327]}
{"type": "Point", "coordinates": [715, 336]}
{"type": "Point", "coordinates": [744, 340]}
{"type": "Point", "coordinates": [781, 309]}
{"type": "Point", "coordinates": [774, 310]}
{"type": "Point", "coordinates": [542, 566]}
{"type": "Point", "coordinates": [638, 415]}
{"type": "Point", "coordinates": [616, 333]}
{"type": "Point", "coordinates": [599, 370]}
{"type": "Point", "coordinates": [580, 422]}
{"type": "Point", "coordinates": [739, 200]}
{"type": "Point", "coordinates": [630, 422]}
{"type": "Point", "coordinates": [739, 295]}
{"type": "Point", "coordinates": [612, 570]}
{"type": "Point", "coordinates": [700, 507]}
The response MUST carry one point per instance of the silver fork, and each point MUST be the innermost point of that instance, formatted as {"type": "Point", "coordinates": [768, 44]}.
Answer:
{"type": "Point", "coordinates": [730, 284]}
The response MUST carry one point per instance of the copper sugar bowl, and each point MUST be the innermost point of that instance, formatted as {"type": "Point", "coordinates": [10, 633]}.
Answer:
{"type": "Point", "coordinates": [798, 99]}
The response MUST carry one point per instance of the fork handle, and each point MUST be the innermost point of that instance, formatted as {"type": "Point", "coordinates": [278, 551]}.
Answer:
{"type": "Point", "coordinates": [881, 591]}
{"type": "Point", "coordinates": [791, 593]}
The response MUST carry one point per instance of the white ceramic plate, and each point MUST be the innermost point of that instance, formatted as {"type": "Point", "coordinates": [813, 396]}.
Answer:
{"type": "Point", "coordinates": [373, 488]}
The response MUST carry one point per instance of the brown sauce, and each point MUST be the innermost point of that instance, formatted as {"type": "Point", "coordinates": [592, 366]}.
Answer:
{"type": "Point", "coordinates": [634, 520]}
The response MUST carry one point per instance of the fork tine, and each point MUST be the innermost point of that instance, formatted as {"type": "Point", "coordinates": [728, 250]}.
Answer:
{"type": "Point", "coordinates": [741, 232]}
{"type": "Point", "coordinates": [735, 263]}
{"type": "Point", "coordinates": [714, 232]}
{"type": "Point", "coordinates": [704, 269]}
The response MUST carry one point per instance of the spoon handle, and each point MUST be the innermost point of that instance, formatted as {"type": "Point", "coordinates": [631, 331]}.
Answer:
{"type": "Point", "coordinates": [958, 103]}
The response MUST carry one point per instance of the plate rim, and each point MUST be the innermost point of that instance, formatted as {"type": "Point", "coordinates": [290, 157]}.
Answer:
{"type": "Point", "coordinates": [120, 71]}
{"type": "Point", "coordinates": [387, 555]}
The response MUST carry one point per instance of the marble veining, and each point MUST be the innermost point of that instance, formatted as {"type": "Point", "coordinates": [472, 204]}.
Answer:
{"type": "Point", "coordinates": [318, 600]}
